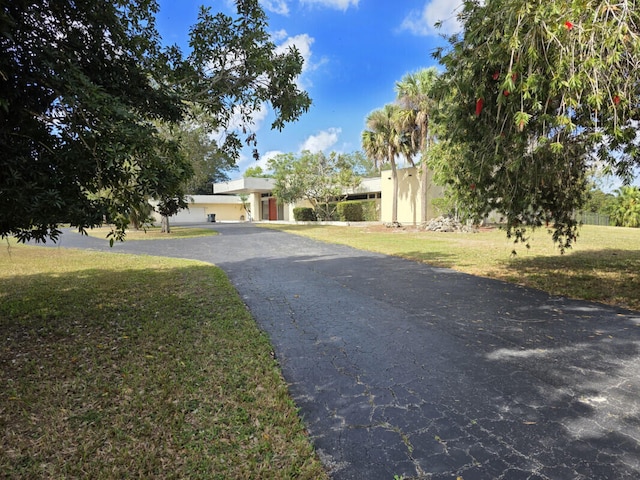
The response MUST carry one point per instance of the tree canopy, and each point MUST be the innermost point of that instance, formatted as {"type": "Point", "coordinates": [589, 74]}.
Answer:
{"type": "Point", "coordinates": [210, 163]}
{"type": "Point", "coordinates": [321, 179]}
{"type": "Point", "coordinates": [417, 97]}
{"type": "Point", "coordinates": [404, 129]}
{"type": "Point", "coordinates": [538, 92]}
{"type": "Point", "coordinates": [256, 171]}
{"type": "Point", "coordinates": [83, 86]}
{"type": "Point", "coordinates": [626, 207]}
{"type": "Point", "coordinates": [386, 138]}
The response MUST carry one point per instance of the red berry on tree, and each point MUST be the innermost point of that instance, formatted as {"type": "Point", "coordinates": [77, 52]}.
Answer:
{"type": "Point", "coordinates": [479, 105]}
{"type": "Point", "coordinates": [496, 75]}
{"type": "Point", "coordinates": [568, 25]}
{"type": "Point", "coordinates": [616, 99]}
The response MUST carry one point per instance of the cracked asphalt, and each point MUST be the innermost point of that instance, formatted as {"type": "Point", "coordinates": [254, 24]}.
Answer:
{"type": "Point", "coordinates": [404, 369]}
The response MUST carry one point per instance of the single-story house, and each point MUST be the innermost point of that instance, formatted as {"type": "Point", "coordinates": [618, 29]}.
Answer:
{"type": "Point", "coordinates": [226, 204]}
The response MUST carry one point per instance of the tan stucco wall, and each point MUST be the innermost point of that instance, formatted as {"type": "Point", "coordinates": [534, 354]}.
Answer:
{"type": "Point", "coordinates": [224, 211]}
{"type": "Point", "coordinates": [433, 191]}
{"type": "Point", "coordinates": [255, 203]}
{"type": "Point", "coordinates": [409, 205]}
{"type": "Point", "coordinates": [226, 208]}
{"type": "Point", "coordinates": [229, 208]}
{"type": "Point", "coordinates": [288, 211]}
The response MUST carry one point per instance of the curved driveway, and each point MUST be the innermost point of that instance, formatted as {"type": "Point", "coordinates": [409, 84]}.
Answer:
{"type": "Point", "coordinates": [400, 368]}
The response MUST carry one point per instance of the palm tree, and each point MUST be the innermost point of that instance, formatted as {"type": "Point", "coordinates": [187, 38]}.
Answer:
{"type": "Point", "coordinates": [415, 92]}
{"type": "Point", "coordinates": [627, 209]}
{"type": "Point", "coordinates": [383, 141]}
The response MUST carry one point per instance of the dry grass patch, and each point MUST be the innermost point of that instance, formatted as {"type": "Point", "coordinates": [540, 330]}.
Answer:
{"type": "Point", "coordinates": [604, 265]}
{"type": "Point", "coordinates": [154, 233]}
{"type": "Point", "coordinates": [121, 366]}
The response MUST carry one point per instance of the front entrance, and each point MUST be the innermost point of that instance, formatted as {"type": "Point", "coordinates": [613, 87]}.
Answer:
{"type": "Point", "coordinates": [273, 209]}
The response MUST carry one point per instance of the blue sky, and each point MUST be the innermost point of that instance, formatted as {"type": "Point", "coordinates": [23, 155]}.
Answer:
{"type": "Point", "coordinates": [354, 50]}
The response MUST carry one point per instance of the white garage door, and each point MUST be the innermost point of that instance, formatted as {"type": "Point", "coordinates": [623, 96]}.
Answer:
{"type": "Point", "coordinates": [193, 215]}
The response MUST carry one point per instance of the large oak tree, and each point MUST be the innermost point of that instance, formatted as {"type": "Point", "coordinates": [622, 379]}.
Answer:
{"type": "Point", "coordinates": [83, 85]}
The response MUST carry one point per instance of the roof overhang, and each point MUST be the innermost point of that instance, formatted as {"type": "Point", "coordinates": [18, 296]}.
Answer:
{"type": "Point", "coordinates": [368, 185]}
{"type": "Point", "coordinates": [265, 185]}
{"type": "Point", "coordinates": [244, 185]}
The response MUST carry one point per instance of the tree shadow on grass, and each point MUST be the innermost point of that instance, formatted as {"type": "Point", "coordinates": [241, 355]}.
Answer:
{"type": "Point", "coordinates": [108, 371]}
{"type": "Point", "coordinates": [435, 259]}
{"type": "Point", "coordinates": [471, 377]}
{"type": "Point", "coordinates": [609, 275]}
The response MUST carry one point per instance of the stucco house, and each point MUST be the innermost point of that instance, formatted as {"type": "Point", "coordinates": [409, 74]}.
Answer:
{"type": "Point", "coordinates": [226, 204]}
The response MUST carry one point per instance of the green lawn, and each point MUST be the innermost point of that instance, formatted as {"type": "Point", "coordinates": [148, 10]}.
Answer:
{"type": "Point", "coordinates": [121, 366]}
{"type": "Point", "coordinates": [604, 265]}
{"type": "Point", "coordinates": [154, 233]}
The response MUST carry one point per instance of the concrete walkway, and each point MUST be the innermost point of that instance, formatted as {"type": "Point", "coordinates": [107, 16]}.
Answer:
{"type": "Point", "coordinates": [404, 369]}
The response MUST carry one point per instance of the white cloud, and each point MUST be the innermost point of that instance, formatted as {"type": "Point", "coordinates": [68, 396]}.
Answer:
{"type": "Point", "coordinates": [337, 4]}
{"type": "Point", "coordinates": [236, 123]}
{"type": "Point", "coordinates": [265, 157]}
{"type": "Point", "coordinates": [259, 116]}
{"type": "Point", "coordinates": [303, 43]}
{"type": "Point", "coordinates": [322, 141]}
{"type": "Point", "coordinates": [276, 6]}
{"type": "Point", "coordinates": [245, 161]}
{"type": "Point", "coordinates": [279, 35]}
{"type": "Point", "coordinates": [423, 22]}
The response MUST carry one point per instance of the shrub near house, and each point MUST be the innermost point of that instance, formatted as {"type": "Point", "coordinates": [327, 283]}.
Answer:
{"type": "Point", "coordinates": [304, 214]}
{"type": "Point", "coordinates": [350, 212]}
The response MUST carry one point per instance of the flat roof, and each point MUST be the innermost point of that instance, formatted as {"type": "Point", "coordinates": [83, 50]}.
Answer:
{"type": "Point", "coordinates": [245, 185]}
{"type": "Point", "coordinates": [369, 185]}
{"type": "Point", "coordinates": [265, 185]}
{"type": "Point", "coordinates": [203, 199]}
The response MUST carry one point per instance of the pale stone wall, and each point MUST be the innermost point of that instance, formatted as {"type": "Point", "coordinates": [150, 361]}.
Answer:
{"type": "Point", "coordinates": [255, 204]}
{"type": "Point", "coordinates": [226, 212]}
{"type": "Point", "coordinates": [226, 208]}
{"type": "Point", "coordinates": [433, 191]}
{"type": "Point", "coordinates": [409, 205]}
{"type": "Point", "coordinates": [229, 207]}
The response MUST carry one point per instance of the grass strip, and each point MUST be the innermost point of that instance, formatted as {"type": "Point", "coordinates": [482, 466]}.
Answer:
{"type": "Point", "coordinates": [604, 265]}
{"type": "Point", "coordinates": [155, 233]}
{"type": "Point", "coordinates": [122, 366]}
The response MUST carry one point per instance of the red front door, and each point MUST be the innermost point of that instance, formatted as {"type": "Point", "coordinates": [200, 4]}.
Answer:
{"type": "Point", "coordinates": [273, 209]}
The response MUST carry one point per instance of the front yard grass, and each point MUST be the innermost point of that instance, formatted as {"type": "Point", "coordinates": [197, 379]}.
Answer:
{"type": "Point", "coordinates": [154, 233]}
{"type": "Point", "coordinates": [604, 265]}
{"type": "Point", "coordinates": [122, 366]}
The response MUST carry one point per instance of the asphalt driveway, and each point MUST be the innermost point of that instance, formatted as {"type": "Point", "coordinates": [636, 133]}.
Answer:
{"type": "Point", "coordinates": [404, 369]}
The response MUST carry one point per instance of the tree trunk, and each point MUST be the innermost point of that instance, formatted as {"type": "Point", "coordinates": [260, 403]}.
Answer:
{"type": "Point", "coordinates": [166, 228]}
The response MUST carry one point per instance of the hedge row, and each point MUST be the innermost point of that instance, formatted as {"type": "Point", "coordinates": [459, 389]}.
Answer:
{"type": "Point", "coordinates": [304, 214]}
{"type": "Point", "coordinates": [349, 211]}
